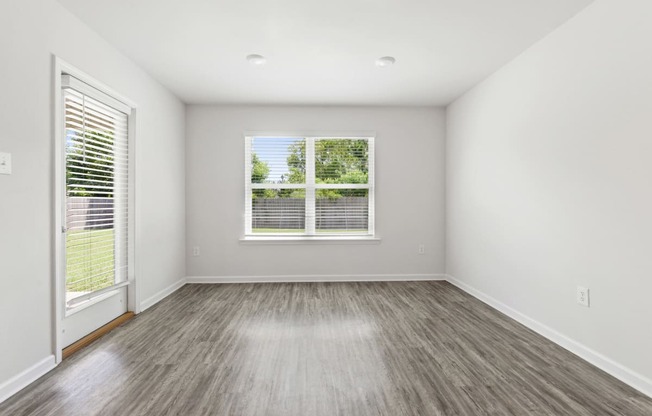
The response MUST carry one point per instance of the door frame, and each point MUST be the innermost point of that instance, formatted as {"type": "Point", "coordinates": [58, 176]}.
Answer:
{"type": "Point", "coordinates": [58, 197]}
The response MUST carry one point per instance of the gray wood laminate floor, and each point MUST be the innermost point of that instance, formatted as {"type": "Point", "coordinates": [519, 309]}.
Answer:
{"type": "Point", "coordinates": [404, 348]}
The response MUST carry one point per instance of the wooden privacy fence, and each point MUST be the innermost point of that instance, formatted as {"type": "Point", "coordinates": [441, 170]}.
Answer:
{"type": "Point", "coordinates": [84, 213]}
{"type": "Point", "coordinates": [346, 213]}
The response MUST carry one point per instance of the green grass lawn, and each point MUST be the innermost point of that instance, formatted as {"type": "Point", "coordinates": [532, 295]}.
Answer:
{"type": "Point", "coordinates": [89, 260]}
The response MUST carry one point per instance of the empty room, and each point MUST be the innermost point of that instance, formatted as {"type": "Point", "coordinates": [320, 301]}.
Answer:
{"type": "Point", "coordinates": [298, 207]}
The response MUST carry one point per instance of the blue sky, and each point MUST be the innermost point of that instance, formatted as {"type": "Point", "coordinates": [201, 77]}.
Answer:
{"type": "Point", "coordinates": [275, 156]}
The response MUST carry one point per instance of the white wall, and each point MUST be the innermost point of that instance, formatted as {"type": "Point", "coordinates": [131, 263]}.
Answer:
{"type": "Point", "coordinates": [30, 31]}
{"type": "Point", "coordinates": [409, 192]}
{"type": "Point", "coordinates": [549, 183]}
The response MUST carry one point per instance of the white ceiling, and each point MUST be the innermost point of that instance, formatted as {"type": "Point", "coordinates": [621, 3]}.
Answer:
{"type": "Point", "coordinates": [322, 52]}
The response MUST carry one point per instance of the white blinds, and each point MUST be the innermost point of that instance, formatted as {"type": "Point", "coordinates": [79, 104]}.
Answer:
{"type": "Point", "coordinates": [97, 169]}
{"type": "Point", "coordinates": [309, 186]}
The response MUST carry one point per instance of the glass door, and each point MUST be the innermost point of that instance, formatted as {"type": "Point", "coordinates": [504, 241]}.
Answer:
{"type": "Point", "coordinates": [95, 224]}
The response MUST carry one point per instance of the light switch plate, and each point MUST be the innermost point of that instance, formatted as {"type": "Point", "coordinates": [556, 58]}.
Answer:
{"type": "Point", "coordinates": [5, 163]}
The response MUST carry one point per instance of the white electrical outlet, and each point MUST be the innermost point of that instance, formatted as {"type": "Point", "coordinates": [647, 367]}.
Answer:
{"type": "Point", "coordinates": [5, 163]}
{"type": "Point", "coordinates": [421, 249]}
{"type": "Point", "coordinates": [195, 251]}
{"type": "Point", "coordinates": [583, 296]}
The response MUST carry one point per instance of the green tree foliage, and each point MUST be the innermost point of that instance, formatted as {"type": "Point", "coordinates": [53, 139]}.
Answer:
{"type": "Point", "coordinates": [89, 164]}
{"type": "Point", "coordinates": [296, 163]}
{"type": "Point", "coordinates": [259, 170]}
{"type": "Point", "coordinates": [337, 161]}
{"type": "Point", "coordinates": [259, 173]}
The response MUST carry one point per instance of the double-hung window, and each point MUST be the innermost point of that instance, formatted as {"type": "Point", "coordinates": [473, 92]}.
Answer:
{"type": "Point", "coordinates": [309, 186]}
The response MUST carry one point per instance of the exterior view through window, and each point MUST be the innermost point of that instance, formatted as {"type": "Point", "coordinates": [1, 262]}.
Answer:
{"type": "Point", "coordinates": [96, 169]}
{"type": "Point", "coordinates": [309, 186]}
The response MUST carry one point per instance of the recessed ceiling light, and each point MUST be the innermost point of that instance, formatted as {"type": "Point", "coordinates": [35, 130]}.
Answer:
{"type": "Point", "coordinates": [385, 61]}
{"type": "Point", "coordinates": [256, 59]}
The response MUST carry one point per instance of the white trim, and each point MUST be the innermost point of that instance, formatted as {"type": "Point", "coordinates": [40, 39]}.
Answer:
{"type": "Point", "coordinates": [343, 185]}
{"type": "Point", "coordinates": [303, 278]}
{"type": "Point", "coordinates": [303, 186]}
{"type": "Point", "coordinates": [61, 67]}
{"type": "Point", "coordinates": [162, 294]}
{"type": "Point", "coordinates": [317, 134]}
{"type": "Point", "coordinates": [133, 294]}
{"type": "Point", "coordinates": [371, 173]}
{"type": "Point", "coordinates": [310, 200]}
{"type": "Point", "coordinates": [91, 302]}
{"type": "Point", "coordinates": [248, 188]}
{"type": "Point", "coordinates": [26, 377]}
{"type": "Point", "coordinates": [66, 68]}
{"type": "Point", "coordinates": [70, 81]}
{"type": "Point", "coordinates": [58, 212]}
{"type": "Point", "coordinates": [305, 239]}
{"type": "Point", "coordinates": [622, 373]}
{"type": "Point", "coordinates": [90, 298]}
{"type": "Point", "coordinates": [271, 185]}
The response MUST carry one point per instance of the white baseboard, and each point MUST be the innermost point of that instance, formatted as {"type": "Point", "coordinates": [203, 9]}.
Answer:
{"type": "Point", "coordinates": [160, 295]}
{"type": "Point", "coordinates": [25, 378]}
{"type": "Point", "coordinates": [622, 373]}
{"type": "Point", "coordinates": [22, 380]}
{"type": "Point", "coordinates": [316, 278]}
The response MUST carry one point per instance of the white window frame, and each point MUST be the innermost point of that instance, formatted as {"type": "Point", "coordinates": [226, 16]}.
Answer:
{"type": "Point", "coordinates": [310, 187]}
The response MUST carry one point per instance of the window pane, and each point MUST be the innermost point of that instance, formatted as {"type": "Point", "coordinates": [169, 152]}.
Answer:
{"type": "Point", "coordinates": [342, 211]}
{"type": "Point", "coordinates": [90, 263]}
{"type": "Point", "coordinates": [278, 211]}
{"type": "Point", "coordinates": [97, 164]}
{"type": "Point", "coordinates": [343, 161]}
{"type": "Point", "coordinates": [278, 160]}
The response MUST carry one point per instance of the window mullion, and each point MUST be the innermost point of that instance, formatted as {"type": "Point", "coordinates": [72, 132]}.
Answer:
{"type": "Point", "coordinates": [310, 186]}
{"type": "Point", "coordinates": [248, 192]}
{"type": "Point", "coordinates": [371, 219]}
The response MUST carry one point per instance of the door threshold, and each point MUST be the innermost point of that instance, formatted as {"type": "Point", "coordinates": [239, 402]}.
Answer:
{"type": "Point", "coordinates": [97, 334]}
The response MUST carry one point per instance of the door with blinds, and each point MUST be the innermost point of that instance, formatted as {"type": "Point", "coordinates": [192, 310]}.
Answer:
{"type": "Point", "coordinates": [95, 223]}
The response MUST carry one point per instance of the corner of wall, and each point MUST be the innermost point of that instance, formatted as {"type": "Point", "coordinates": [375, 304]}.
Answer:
{"type": "Point", "coordinates": [26, 377]}
{"type": "Point", "coordinates": [615, 369]}
{"type": "Point", "coordinates": [162, 294]}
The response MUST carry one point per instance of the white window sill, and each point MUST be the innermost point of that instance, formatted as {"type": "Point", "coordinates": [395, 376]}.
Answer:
{"type": "Point", "coordinates": [354, 240]}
